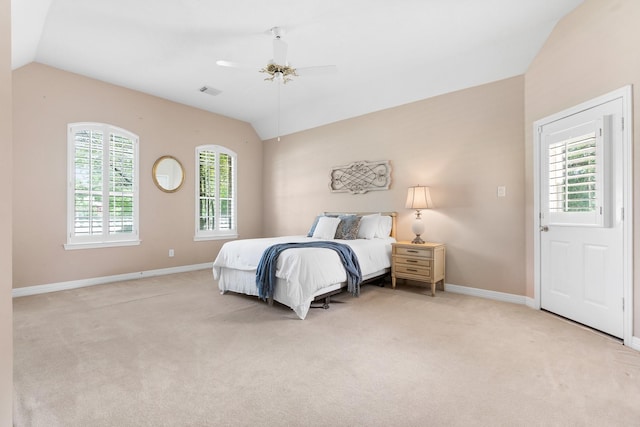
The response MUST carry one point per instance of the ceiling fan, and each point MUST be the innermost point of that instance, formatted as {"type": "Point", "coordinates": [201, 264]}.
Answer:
{"type": "Point", "coordinates": [278, 68]}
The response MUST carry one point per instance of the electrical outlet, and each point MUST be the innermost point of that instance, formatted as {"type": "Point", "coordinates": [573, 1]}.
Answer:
{"type": "Point", "coordinates": [171, 253]}
{"type": "Point", "coordinates": [502, 191]}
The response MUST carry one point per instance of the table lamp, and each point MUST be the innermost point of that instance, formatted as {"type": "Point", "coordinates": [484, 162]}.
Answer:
{"type": "Point", "coordinates": [418, 198]}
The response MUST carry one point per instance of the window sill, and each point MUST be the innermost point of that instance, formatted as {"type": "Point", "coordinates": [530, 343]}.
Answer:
{"type": "Point", "coordinates": [219, 237]}
{"type": "Point", "coordinates": [96, 245]}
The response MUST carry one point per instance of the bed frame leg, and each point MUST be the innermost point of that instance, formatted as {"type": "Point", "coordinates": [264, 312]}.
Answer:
{"type": "Point", "coordinates": [327, 301]}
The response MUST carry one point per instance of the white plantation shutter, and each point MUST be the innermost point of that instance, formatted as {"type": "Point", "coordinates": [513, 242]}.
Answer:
{"type": "Point", "coordinates": [207, 191]}
{"type": "Point", "coordinates": [576, 175]}
{"type": "Point", "coordinates": [121, 184]}
{"type": "Point", "coordinates": [573, 168]}
{"type": "Point", "coordinates": [215, 193]}
{"type": "Point", "coordinates": [102, 195]}
{"type": "Point", "coordinates": [88, 156]}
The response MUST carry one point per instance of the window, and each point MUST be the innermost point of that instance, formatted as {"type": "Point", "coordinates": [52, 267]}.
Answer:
{"type": "Point", "coordinates": [216, 193]}
{"type": "Point", "coordinates": [103, 186]}
{"type": "Point", "coordinates": [576, 174]}
{"type": "Point", "coordinates": [572, 175]}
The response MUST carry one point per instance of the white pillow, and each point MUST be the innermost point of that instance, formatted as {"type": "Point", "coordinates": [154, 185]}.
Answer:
{"type": "Point", "coordinates": [384, 226]}
{"type": "Point", "coordinates": [326, 228]}
{"type": "Point", "coordinates": [368, 226]}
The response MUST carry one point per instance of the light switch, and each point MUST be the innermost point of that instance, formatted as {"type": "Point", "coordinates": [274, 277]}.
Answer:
{"type": "Point", "coordinates": [502, 191]}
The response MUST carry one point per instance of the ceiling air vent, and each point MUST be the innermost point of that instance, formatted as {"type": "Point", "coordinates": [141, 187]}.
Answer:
{"type": "Point", "coordinates": [210, 91]}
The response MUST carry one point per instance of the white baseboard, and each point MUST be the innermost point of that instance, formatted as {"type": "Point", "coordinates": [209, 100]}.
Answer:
{"type": "Point", "coordinates": [635, 343]}
{"type": "Point", "coordinates": [483, 293]}
{"type": "Point", "coordinates": [73, 284]}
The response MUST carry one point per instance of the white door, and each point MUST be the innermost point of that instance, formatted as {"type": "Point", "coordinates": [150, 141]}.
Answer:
{"type": "Point", "coordinates": [581, 218]}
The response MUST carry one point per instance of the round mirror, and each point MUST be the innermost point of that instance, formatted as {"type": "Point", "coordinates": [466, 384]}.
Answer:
{"type": "Point", "coordinates": [168, 174]}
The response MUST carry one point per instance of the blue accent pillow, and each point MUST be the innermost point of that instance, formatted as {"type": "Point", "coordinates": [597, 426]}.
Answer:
{"type": "Point", "coordinates": [314, 225]}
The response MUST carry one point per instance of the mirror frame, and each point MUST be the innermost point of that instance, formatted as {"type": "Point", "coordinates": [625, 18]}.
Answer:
{"type": "Point", "coordinates": [155, 179]}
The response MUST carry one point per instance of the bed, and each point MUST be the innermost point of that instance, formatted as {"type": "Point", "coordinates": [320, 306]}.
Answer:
{"type": "Point", "coordinates": [305, 275]}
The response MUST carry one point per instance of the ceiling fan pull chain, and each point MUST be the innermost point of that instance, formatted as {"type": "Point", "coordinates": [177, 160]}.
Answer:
{"type": "Point", "coordinates": [278, 110]}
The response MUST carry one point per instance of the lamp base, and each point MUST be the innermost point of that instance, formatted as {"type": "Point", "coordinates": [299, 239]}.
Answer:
{"type": "Point", "coordinates": [418, 240]}
{"type": "Point", "coordinates": [418, 228]}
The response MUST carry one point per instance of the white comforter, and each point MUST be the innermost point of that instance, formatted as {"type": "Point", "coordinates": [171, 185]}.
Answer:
{"type": "Point", "coordinates": [305, 270]}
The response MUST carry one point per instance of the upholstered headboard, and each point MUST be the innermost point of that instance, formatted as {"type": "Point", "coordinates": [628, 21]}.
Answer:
{"type": "Point", "coordinates": [393, 216]}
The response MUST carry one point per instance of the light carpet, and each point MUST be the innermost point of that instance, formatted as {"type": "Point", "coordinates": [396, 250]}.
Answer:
{"type": "Point", "coordinates": [172, 351]}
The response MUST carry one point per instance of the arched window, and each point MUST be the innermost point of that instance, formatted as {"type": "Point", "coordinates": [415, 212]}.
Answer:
{"type": "Point", "coordinates": [216, 193]}
{"type": "Point", "coordinates": [102, 192]}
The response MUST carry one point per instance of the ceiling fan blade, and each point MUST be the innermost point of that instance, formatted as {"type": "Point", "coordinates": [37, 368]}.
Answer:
{"type": "Point", "coordinates": [279, 51]}
{"type": "Point", "coordinates": [320, 70]}
{"type": "Point", "coordinates": [230, 64]}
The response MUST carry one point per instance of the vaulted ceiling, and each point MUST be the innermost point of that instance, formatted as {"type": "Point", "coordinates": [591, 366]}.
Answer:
{"type": "Point", "coordinates": [386, 53]}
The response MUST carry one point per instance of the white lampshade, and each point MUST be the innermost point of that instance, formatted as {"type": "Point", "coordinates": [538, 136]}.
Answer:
{"type": "Point", "coordinates": [419, 197]}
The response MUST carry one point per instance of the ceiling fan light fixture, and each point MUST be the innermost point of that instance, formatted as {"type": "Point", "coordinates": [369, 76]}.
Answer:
{"type": "Point", "coordinates": [283, 73]}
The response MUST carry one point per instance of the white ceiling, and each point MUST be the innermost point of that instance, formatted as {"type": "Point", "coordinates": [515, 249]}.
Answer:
{"type": "Point", "coordinates": [387, 52]}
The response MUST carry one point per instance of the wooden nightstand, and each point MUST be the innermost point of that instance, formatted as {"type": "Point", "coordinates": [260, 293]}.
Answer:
{"type": "Point", "coordinates": [421, 262]}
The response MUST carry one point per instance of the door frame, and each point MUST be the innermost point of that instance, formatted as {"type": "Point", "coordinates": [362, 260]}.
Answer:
{"type": "Point", "coordinates": [627, 225]}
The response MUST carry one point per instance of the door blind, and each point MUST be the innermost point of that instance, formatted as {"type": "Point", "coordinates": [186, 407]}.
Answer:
{"type": "Point", "coordinates": [575, 184]}
{"type": "Point", "coordinates": [573, 167]}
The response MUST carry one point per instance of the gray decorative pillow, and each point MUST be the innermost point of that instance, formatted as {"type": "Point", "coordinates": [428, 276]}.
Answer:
{"type": "Point", "coordinates": [348, 227]}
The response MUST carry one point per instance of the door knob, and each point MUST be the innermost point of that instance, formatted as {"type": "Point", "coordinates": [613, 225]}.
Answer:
{"type": "Point", "coordinates": [544, 228]}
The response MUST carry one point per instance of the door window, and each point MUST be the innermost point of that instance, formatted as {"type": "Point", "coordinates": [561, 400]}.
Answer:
{"type": "Point", "coordinates": [576, 176]}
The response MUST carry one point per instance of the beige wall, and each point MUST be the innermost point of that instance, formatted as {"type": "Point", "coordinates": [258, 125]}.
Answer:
{"type": "Point", "coordinates": [45, 100]}
{"type": "Point", "coordinates": [592, 51]}
{"type": "Point", "coordinates": [464, 145]}
{"type": "Point", "coordinates": [6, 309]}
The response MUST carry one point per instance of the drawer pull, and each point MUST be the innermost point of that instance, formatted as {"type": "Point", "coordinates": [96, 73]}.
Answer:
{"type": "Point", "coordinates": [413, 270]}
{"type": "Point", "coordinates": [412, 260]}
{"type": "Point", "coordinates": [413, 251]}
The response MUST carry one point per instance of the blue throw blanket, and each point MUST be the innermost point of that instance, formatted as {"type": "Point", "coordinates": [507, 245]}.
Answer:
{"type": "Point", "coordinates": [266, 272]}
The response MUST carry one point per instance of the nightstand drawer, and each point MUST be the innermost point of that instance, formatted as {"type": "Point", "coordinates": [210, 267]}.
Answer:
{"type": "Point", "coordinates": [416, 262]}
{"type": "Point", "coordinates": [415, 252]}
{"type": "Point", "coordinates": [424, 273]}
